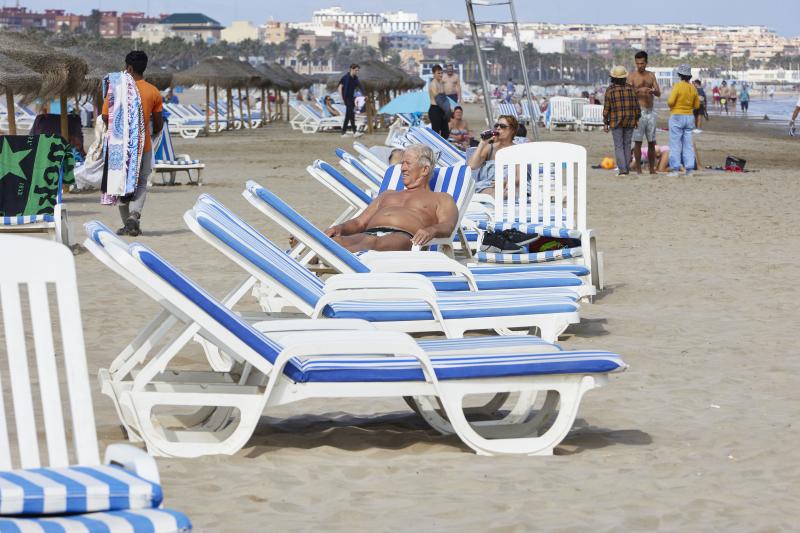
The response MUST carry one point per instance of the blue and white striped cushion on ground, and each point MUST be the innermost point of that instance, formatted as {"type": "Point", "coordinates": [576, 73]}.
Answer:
{"type": "Point", "coordinates": [75, 489]}
{"type": "Point", "coordinates": [20, 220]}
{"type": "Point", "coordinates": [136, 521]}
{"type": "Point", "coordinates": [277, 265]}
{"type": "Point", "coordinates": [346, 368]}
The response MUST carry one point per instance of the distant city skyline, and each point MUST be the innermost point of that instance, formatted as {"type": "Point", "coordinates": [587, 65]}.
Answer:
{"type": "Point", "coordinates": [781, 15]}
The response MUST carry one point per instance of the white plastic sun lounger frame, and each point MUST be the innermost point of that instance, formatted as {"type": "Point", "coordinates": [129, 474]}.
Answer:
{"type": "Point", "coordinates": [49, 264]}
{"type": "Point", "coordinates": [266, 386]}
{"type": "Point", "coordinates": [561, 113]}
{"type": "Point", "coordinates": [393, 287]}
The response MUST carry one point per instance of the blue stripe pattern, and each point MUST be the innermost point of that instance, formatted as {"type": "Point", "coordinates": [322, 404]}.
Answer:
{"type": "Point", "coordinates": [346, 368]}
{"type": "Point", "coordinates": [538, 257]}
{"type": "Point", "coordinates": [277, 265]}
{"type": "Point", "coordinates": [20, 220]}
{"type": "Point", "coordinates": [82, 489]}
{"type": "Point", "coordinates": [359, 166]}
{"type": "Point", "coordinates": [339, 178]}
{"type": "Point", "coordinates": [452, 180]}
{"type": "Point", "coordinates": [449, 155]}
{"type": "Point", "coordinates": [140, 521]}
{"type": "Point", "coordinates": [529, 228]}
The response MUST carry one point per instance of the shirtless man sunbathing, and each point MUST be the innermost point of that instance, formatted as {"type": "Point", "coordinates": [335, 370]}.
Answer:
{"type": "Point", "coordinates": [396, 220]}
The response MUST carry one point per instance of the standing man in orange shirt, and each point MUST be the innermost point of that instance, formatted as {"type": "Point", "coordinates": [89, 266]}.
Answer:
{"type": "Point", "coordinates": [130, 207]}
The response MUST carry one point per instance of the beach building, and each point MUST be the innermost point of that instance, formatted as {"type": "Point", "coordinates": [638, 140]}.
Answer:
{"type": "Point", "coordinates": [275, 32]}
{"type": "Point", "coordinates": [240, 30]}
{"type": "Point", "coordinates": [152, 33]}
{"type": "Point", "coordinates": [194, 27]}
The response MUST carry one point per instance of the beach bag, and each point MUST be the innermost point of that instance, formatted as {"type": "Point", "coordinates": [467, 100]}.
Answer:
{"type": "Point", "coordinates": [546, 244]}
{"type": "Point", "coordinates": [506, 241]}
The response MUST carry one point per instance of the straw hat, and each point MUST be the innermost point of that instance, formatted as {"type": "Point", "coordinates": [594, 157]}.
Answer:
{"type": "Point", "coordinates": [619, 72]}
{"type": "Point", "coordinates": [684, 70]}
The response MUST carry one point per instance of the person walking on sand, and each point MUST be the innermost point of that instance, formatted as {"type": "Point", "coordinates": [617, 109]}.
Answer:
{"type": "Point", "coordinates": [792, 121]}
{"type": "Point", "coordinates": [452, 84]}
{"type": "Point", "coordinates": [347, 91]}
{"type": "Point", "coordinates": [621, 113]}
{"type": "Point", "coordinates": [701, 112]}
{"type": "Point", "coordinates": [682, 102]}
{"type": "Point", "coordinates": [439, 111]}
{"type": "Point", "coordinates": [723, 97]}
{"type": "Point", "coordinates": [131, 205]}
{"type": "Point", "coordinates": [646, 87]}
{"type": "Point", "coordinates": [744, 98]}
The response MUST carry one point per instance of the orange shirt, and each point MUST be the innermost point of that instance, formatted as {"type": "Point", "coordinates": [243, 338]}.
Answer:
{"type": "Point", "coordinates": [151, 103]}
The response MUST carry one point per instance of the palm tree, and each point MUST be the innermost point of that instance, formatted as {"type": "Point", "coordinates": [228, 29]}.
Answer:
{"type": "Point", "coordinates": [304, 55]}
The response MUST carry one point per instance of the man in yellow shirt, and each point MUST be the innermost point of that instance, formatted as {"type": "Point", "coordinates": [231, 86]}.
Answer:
{"type": "Point", "coordinates": [682, 102]}
{"type": "Point", "coordinates": [130, 209]}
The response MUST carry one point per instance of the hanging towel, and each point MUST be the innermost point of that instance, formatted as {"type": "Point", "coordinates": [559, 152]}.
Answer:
{"type": "Point", "coordinates": [124, 138]}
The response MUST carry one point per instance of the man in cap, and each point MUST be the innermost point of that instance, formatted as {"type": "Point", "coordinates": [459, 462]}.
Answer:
{"type": "Point", "coordinates": [621, 112]}
{"type": "Point", "coordinates": [646, 87]}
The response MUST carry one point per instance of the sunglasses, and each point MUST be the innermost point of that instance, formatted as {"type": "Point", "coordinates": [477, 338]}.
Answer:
{"type": "Point", "coordinates": [501, 126]}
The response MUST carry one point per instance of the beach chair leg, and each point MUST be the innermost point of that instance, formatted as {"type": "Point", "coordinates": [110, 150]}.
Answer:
{"type": "Point", "coordinates": [524, 438]}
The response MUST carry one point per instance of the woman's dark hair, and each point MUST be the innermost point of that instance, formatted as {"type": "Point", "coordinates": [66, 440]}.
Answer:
{"type": "Point", "coordinates": [137, 60]}
{"type": "Point", "coordinates": [456, 108]}
{"type": "Point", "coordinates": [619, 81]}
{"type": "Point", "coordinates": [513, 123]}
{"type": "Point", "coordinates": [685, 78]}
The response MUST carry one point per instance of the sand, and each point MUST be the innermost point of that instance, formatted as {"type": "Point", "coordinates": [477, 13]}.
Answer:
{"type": "Point", "coordinates": [701, 433]}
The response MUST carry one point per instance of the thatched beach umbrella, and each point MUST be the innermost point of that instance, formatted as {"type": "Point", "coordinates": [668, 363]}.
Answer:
{"type": "Point", "coordinates": [296, 81]}
{"type": "Point", "coordinates": [256, 80]}
{"type": "Point", "coordinates": [62, 73]}
{"type": "Point", "coordinates": [216, 72]}
{"type": "Point", "coordinates": [276, 80]}
{"type": "Point", "coordinates": [160, 77]}
{"type": "Point", "coordinates": [16, 78]}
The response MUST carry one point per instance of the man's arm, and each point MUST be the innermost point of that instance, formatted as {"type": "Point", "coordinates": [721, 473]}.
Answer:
{"type": "Point", "coordinates": [458, 90]}
{"type": "Point", "coordinates": [446, 218]}
{"type": "Point", "coordinates": [656, 88]}
{"type": "Point", "coordinates": [357, 224]}
{"type": "Point", "coordinates": [158, 121]}
{"type": "Point", "coordinates": [340, 88]}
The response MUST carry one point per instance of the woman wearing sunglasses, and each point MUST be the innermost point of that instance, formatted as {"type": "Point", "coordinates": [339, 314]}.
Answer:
{"type": "Point", "coordinates": [482, 161]}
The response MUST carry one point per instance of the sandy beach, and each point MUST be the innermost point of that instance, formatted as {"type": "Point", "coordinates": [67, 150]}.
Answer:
{"type": "Point", "coordinates": [700, 434]}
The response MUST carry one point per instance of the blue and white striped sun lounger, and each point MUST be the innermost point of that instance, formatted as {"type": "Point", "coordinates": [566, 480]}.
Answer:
{"type": "Point", "coordinates": [326, 359]}
{"type": "Point", "coordinates": [40, 490]}
{"type": "Point", "coordinates": [166, 161]}
{"type": "Point", "coordinates": [400, 302]}
{"type": "Point", "coordinates": [448, 155]}
{"type": "Point", "coordinates": [446, 274]}
{"type": "Point", "coordinates": [359, 170]}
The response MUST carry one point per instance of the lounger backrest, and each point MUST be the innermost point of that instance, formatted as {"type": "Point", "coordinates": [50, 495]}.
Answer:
{"type": "Point", "coordinates": [163, 149]}
{"type": "Point", "coordinates": [448, 154]}
{"type": "Point", "coordinates": [557, 171]}
{"type": "Point", "coordinates": [577, 107]}
{"type": "Point", "coordinates": [341, 180]}
{"type": "Point", "coordinates": [358, 165]}
{"type": "Point", "coordinates": [531, 111]}
{"type": "Point", "coordinates": [561, 109]}
{"type": "Point", "coordinates": [331, 252]}
{"type": "Point", "coordinates": [592, 114]}
{"type": "Point", "coordinates": [505, 108]}
{"type": "Point", "coordinates": [44, 285]}
{"type": "Point", "coordinates": [257, 250]}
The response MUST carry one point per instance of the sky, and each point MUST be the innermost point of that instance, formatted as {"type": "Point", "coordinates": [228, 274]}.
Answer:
{"type": "Point", "coordinates": [781, 15]}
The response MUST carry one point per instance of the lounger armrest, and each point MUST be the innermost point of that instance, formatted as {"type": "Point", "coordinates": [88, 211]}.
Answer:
{"type": "Point", "coordinates": [367, 344]}
{"type": "Point", "coordinates": [133, 459]}
{"type": "Point", "coordinates": [184, 157]}
{"type": "Point", "coordinates": [417, 262]}
{"type": "Point", "coordinates": [360, 282]}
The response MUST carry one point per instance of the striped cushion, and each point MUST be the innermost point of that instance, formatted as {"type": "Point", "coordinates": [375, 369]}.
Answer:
{"type": "Point", "coordinates": [75, 489]}
{"type": "Point", "coordinates": [578, 270]}
{"type": "Point", "coordinates": [358, 165]}
{"type": "Point", "coordinates": [140, 521]}
{"type": "Point", "coordinates": [550, 255]}
{"type": "Point", "coordinates": [180, 162]}
{"type": "Point", "coordinates": [539, 229]}
{"type": "Point", "coordinates": [20, 220]}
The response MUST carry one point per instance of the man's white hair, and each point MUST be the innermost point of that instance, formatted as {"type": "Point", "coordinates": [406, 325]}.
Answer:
{"type": "Point", "coordinates": [423, 154]}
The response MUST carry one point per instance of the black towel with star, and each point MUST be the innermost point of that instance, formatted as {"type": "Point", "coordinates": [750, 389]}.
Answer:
{"type": "Point", "coordinates": [30, 173]}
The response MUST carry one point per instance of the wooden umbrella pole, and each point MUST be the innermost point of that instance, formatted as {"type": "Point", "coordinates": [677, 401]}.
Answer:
{"type": "Point", "coordinates": [216, 110]}
{"type": "Point", "coordinates": [247, 102]}
{"type": "Point", "coordinates": [64, 124]}
{"type": "Point", "coordinates": [263, 108]}
{"type": "Point", "coordinates": [208, 97]}
{"type": "Point", "coordinates": [230, 108]}
{"type": "Point", "coordinates": [12, 119]}
{"type": "Point", "coordinates": [369, 111]}
{"type": "Point", "coordinates": [241, 110]}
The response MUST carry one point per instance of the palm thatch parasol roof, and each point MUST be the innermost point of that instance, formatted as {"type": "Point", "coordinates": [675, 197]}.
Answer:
{"type": "Point", "coordinates": [214, 71]}
{"type": "Point", "coordinates": [273, 77]}
{"type": "Point", "coordinates": [256, 77]}
{"type": "Point", "coordinates": [160, 77]}
{"type": "Point", "coordinates": [296, 81]}
{"type": "Point", "coordinates": [18, 78]}
{"type": "Point", "coordinates": [376, 76]}
{"type": "Point", "coordinates": [61, 73]}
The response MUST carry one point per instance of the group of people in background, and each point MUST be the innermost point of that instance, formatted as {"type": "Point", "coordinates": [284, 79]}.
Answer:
{"type": "Point", "coordinates": [726, 95]}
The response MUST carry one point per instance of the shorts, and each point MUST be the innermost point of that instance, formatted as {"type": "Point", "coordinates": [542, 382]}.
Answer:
{"type": "Point", "coordinates": [647, 127]}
